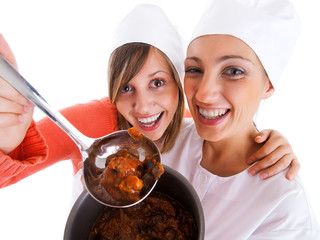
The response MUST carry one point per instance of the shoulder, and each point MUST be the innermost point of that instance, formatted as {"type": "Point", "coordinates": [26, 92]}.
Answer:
{"type": "Point", "coordinates": [188, 132]}
{"type": "Point", "coordinates": [97, 107]}
{"type": "Point", "coordinates": [188, 126]}
{"type": "Point", "coordinates": [103, 103]}
{"type": "Point", "coordinates": [188, 139]}
{"type": "Point", "coordinates": [275, 193]}
{"type": "Point", "coordinates": [97, 117]}
{"type": "Point", "coordinates": [288, 200]}
{"type": "Point", "coordinates": [283, 206]}
{"type": "Point", "coordinates": [278, 187]}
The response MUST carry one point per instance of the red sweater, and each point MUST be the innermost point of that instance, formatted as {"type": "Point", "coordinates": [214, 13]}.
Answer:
{"type": "Point", "coordinates": [45, 143]}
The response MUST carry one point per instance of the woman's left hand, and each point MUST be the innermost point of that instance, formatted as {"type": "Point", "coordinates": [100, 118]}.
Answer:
{"type": "Point", "coordinates": [274, 156]}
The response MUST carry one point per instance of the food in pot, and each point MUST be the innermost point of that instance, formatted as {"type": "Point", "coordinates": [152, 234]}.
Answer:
{"type": "Point", "coordinates": [157, 217]}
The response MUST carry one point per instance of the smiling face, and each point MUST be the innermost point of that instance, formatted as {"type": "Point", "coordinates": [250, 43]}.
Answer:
{"type": "Point", "coordinates": [224, 83]}
{"type": "Point", "coordinates": [150, 99]}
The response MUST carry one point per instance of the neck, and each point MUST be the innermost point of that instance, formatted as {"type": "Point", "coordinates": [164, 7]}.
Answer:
{"type": "Point", "coordinates": [229, 156]}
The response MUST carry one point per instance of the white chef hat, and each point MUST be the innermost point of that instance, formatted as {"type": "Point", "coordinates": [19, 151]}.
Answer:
{"type": "Point", "coordinates": [147, 23]}
{"type": "Point", "coordinates": [270, 27]}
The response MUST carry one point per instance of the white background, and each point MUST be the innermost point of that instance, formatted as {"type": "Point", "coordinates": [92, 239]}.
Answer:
{"type": "Point", "coordinates": [62, 48]}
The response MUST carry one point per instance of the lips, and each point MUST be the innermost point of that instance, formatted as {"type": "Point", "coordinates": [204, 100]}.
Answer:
{"type": "Point", "coordinates": [151, 122]}
{"type": "Point", "coordinates": [212, 116]}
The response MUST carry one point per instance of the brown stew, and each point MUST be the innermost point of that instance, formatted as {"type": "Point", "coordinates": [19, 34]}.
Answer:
{"type": "Point", "coordinates": [125, 175]}
{"type": "Point", "coordinates": [157, 217]}
{"type": "Point", "coordinates": [124, 179]}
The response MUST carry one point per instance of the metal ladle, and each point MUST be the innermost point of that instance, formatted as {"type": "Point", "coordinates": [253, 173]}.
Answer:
{"type": "Point", "coordinates": [94, 151]}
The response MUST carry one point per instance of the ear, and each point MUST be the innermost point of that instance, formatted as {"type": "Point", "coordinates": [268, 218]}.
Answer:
{"type": "Point", "coordinates": [269, 89]}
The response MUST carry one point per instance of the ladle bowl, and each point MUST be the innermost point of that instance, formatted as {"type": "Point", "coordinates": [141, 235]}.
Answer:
{"type": "Point", "coordinates": [94, 152]}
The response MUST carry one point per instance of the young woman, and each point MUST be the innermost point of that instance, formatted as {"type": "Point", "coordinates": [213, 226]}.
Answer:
{"type": "Point", "coordinates": [145, 91]}
{"type": "Point", "coordinates": [233, 63]}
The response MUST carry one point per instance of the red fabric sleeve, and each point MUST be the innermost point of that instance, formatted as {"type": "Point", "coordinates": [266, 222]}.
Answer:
{"type": "Point", "coordinates": [45, 143]}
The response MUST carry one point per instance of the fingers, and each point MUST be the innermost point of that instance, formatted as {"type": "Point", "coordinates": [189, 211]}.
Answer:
{"type": "Point", "coordinates": [274, 140]}
{"type": "Point", "coordinates": [270, 167]}
{"type": "Point", "coordinates": [15, 111]}
{"type": "Point", "coordinates": [274, 156]}
{"type": "Point", "coordinates": [8, 93]}
{"type": "Point", "coordinates": [12, 113]}
{"type": "Point", "coordinates": [293, 170]}
{"type": "Point", "coordinates": [13, 106]}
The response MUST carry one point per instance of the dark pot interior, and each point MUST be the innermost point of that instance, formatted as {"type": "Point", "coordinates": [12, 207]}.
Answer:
{"type": "Point", "coordinates": [86, 210]}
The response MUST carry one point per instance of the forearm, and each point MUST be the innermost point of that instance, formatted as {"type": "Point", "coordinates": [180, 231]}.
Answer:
{"type": "Point", "coordinates": [16, 165]}
{"type": "Point", "coordinates": [44, 145]}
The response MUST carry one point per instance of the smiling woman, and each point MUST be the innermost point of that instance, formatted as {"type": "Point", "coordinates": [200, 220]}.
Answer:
{"type": "Point", "coordinates": [158, 89]}
{"type": "Point", "coordinates": [232, 71]}
{"type": "Point", "coordinates": [66, 43]}
{"type": "Point", "coordinates": [232, 64]}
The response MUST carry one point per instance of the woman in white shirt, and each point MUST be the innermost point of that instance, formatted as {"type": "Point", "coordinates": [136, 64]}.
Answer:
{"type": "Point", "coordinates": [235, 58]}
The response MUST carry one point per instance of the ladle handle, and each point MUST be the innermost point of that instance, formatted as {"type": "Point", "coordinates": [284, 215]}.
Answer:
{"type": "Point", "coordinates": [13, 77]}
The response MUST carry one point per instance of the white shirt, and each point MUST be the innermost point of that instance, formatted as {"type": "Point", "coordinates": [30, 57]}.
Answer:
{"type": "Point", "coordinates": [243, 206]}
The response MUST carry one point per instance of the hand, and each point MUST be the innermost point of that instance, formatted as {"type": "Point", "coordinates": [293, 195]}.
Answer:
{"type": "Point", "coordinates": [15, 111]}
{"type": "Point", "coordinates": [274, 156]}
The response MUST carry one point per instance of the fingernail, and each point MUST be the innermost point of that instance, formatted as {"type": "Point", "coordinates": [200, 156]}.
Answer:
{"type": "Point", "coordinates": [258, 138]}
{"type": "Point", "coordinates": [264, 175]}
{"type": "Point", "coordinates": [290, 177]}
{"type": "Point", "coordinates": [252, 172]}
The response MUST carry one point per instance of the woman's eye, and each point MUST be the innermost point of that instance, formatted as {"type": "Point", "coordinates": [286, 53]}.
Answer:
{"type": "Point", "coordinates": [234, 71]}
{"type": "Point", "coordinates": [157, 83]}
{"type": "Point", "coordinates": [126, 88]}
{"type": "Point", "coordinates": [192, 70]}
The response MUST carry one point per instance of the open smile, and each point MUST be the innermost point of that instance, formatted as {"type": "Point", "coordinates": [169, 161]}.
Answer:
{"type": "Point", "coordinates": [212, 116]}
{"type": "Point", "coordinates": [151, 121]}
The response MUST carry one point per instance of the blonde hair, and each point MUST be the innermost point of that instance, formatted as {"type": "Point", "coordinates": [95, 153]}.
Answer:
{"type": "Point", "coordinates": [124, 64]}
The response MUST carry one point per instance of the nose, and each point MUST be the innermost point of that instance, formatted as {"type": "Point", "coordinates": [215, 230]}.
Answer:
{"type": "Point", "coordinates": [143, 102]}
{"type": "Point", "coordinates": [208, 89]}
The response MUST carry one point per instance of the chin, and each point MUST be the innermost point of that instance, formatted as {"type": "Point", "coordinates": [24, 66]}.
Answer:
{"type": "Point", "coordinates": [153, 137]}
{"type": "Point", "coordinates": [208, 134]}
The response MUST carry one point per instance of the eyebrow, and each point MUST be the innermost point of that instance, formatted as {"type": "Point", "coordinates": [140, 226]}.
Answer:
{"type": "Point", "coordinates": [196, 59]}
{"type": "Point", "coordinates": [224, 58]}
{"type": "Point", "coordinates": [221, 59]}
{"type": "Point", "coordinates": [155, 73]}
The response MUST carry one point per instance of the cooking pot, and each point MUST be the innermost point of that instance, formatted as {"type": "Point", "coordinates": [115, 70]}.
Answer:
{"type": "Point", "coordinates": [86, 210]}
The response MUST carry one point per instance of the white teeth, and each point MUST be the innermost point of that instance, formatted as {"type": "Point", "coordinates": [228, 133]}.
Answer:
{"type": "Point", "coordinates": [149, 121]}
{"type": "Point", "coordinates": [212, 114]}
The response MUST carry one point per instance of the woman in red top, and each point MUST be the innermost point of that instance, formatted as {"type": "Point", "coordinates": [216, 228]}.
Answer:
{"type": "Point", "coordinates": [142, 69]}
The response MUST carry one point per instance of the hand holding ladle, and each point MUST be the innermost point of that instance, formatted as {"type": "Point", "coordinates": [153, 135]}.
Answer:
{"type": "Point", "coordinates": [94, 151]}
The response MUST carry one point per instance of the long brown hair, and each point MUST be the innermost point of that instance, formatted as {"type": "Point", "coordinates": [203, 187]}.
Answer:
{"type": "Point", "coordinates": [124, 64]}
